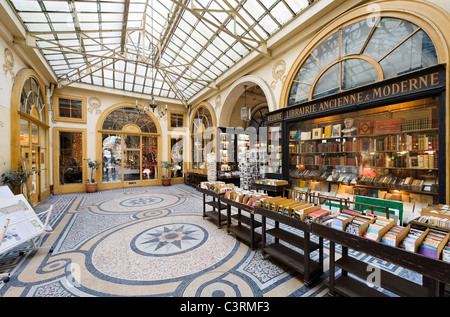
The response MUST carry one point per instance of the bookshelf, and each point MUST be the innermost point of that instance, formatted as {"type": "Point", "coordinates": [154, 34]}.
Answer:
{"type": "Point", "coordinates": [274, 150]}
{"type": "Point", "coordinates": [391, 149]}
{"type": "Point", "coordinates": [300, 261]}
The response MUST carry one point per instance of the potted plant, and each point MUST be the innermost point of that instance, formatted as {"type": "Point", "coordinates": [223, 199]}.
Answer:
{"type": "Point", "coordinates": [169, 168]}
{"type": "Point", "coordinates": [16, 179]}
{"type": "Point", "coordinates": [91, 184]}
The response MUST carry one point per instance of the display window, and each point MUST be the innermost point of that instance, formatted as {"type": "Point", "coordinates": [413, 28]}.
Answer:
{"type": "Point", "coordinates": [129, 148]}
{"type": "Point", "coordinates": [389, 152]}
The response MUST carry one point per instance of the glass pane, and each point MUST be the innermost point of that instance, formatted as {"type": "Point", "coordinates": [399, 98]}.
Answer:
{"type": "Point", "coordinates": [131, 165]}
{"type": "Point", "coordinates": [328, 51]}
{"type": "Point", "coordinates": [299, 92]}
{"type": "Point", "coordinates": [354, 36]}
{"type": "Point", "coordinates": [34, 134]}
{"type": "Point", "coordinates": [415, 53]}
{"type": "Point", "coordinates": [308, 72]}
{"type": "Point", "coordinates": [176, 120]}
{"type": "Point", "coordinates": [117, 119]}
{"type": "Point", "coordinates": [328, 82]}
{"type": "Point", "coordinates": [24, 133]}
{"type": "Point", "coordinates": [70, 158]}
{"type": "Point", "coordinates": [112, 158]}
{"type": "Point", "coordinates": [357, 72]}
{"type": "Point", "coordinates": [132, 142]}
{"type": "Point", "coordinates": [176, 155]}
{"type": "Point", "coordinates": [64, 107]}
{"type": "Point", "coordinates": [387, 35]}
{"type": "Point", "coordinates": [76, 109]}
{"type": "Point", "coordinates": [149, 157]}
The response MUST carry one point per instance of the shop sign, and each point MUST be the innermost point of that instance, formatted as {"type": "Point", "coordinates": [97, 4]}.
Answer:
{"type": "Point", "coordinates": [401, 87]}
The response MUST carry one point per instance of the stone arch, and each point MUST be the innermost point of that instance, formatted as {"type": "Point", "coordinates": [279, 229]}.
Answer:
{"type": "Point", "coordinates": [237, 89]}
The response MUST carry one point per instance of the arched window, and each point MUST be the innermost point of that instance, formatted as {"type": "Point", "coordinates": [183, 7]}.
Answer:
{"type": "Point", "coordinates": [259, 116]}
{"type": "Point", "coordinates": [202, 133]}
{"type": "Point", "coordinates": [360, 54]}
{"type": "Point", "coordinates": [122, 117]}
{"type": "Point", "coordinates": [29, 139]}
{"type": "Point", "coordinates": [130, 144]}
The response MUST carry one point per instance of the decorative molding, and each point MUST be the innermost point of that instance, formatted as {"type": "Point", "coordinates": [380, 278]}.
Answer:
{"type": "Point", "coordinates": [218, 102]}
{"type": "Point", "coordinates": [9, 62]}
{"type": "Point", "coordinates": [94, 104]}
{"type": "Point", "coordinates": [278, 70]}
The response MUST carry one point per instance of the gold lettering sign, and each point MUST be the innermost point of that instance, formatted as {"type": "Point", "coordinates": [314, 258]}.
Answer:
{"type": "Point", "coordinates": [399, 88]}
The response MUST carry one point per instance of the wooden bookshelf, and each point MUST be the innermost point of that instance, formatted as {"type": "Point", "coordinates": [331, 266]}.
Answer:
{"type": "Point", "coordinates": [302, 263]}
{"type": "Point", "coordinates": [216, 213]}
{"type": "Point", "coordinates": [434, 271]}
{"type": "Point", "coordinates": [242, 225]}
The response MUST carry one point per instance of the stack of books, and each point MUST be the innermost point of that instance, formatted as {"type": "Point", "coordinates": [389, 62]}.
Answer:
{"type": "Point", "coordinates": [390, 237]}
{"type": "Point", "coordinates": [409, 243]}
{"type": "Point", "coordinates": [342, 218]}
{"type": "Point", "coordinates": [430, 244]}
{"type": "Point", "coordinates": [354, 226]}
{"type": "Point", "coordinates": [315, 215]}
{"type": "Point", "coordinates": [373, 231]}
{"type": "Point", "coordinates": [446, 253]}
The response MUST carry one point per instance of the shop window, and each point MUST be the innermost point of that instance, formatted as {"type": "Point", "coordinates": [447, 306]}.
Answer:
{"type": "Point", "coordinates": [130, 150]}
{"type": "Point", "coordinates": [176, 154]}
{"type": "Point", "coordinates": [362, 53]}
{"type": "Point", "coordinates": [70, 157]}
{"type": "Point", "coordinates": [70, 109]}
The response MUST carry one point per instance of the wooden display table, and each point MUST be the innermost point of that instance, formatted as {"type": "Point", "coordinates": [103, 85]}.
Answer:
{"type": "Point", "coordinates": [435, 272]}
{"type": "Point", "coordinates": [302, 263]}
{"type": "Point", "coordinates": [192, 178]}
{"type": "Point", "coordinates": [246, 224]}
{"type": "Point", "coordinates": [216, 213]}
{"type": "Point", "coordinates": [271, 190]}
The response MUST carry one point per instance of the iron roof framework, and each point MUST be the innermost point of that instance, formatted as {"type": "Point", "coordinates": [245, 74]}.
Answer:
{"type": "Point", "coordinates": [168, 48]}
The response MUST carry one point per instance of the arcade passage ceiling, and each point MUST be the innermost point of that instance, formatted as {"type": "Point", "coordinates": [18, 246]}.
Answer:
{"type": "Point", "coordinates": [165, 48]}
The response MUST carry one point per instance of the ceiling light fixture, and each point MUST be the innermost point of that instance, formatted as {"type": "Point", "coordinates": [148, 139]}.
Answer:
{"type": "Point", "coordinates": [245, 111]}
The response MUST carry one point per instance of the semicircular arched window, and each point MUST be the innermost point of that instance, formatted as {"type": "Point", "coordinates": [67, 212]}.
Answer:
{"type": "Point", "coordinates": [360, 54]}
{"type": "Point", "coordinates": [125, 116]}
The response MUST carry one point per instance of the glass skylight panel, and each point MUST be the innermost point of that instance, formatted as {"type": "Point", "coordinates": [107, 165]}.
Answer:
{"type": "Point", "coordinates": [297, 5]}
{"type": "Point", "coordinates": [21, 5]}
{"type": "Point", "coordinates": [56, 6]}
{"type": "Point", "coordinates": [281, 13]}
{"type": "Point", "coordinates": [254, 9]}
{"type": "Point", "coordinates": [195, 41]}
{"type": "Point", "coordinates": [268, 24]}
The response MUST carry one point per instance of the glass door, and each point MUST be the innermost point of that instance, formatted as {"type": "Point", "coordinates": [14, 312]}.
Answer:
{"type": "Point", "coordinates": [35, 178]}
{"type": "Point", "coordinates": [131, 160]}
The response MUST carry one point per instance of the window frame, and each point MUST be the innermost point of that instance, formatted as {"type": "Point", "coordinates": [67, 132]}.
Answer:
{"type": "Point", "coordinates": [56, 115]}
{"type": "Point", "coordinates": [169, 127]}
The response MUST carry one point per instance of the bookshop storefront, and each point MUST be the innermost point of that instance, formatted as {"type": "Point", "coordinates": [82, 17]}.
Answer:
{"type": "Point", "coordinates": [367, 109]}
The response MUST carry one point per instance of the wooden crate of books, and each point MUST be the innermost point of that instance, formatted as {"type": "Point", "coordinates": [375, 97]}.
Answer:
{"type": "Point", "coordinates": [378, 228]}
{"type": "Point", "coordinates": [359, 224]}
{"type": "Point", "coordinates": [433, 243]}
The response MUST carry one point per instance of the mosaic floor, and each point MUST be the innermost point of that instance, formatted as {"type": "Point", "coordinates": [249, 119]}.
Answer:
{"type": "Point", "coordinates": [147, 241]}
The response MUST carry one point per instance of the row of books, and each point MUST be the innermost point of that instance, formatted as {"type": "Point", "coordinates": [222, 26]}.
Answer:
{"type": "Point", "coordinates": [385, 181]}
{"type": "Point", "coordinates": [418, 124]}
{"type": "Point", "coordinates": [434, 221]}
{"type": "Point", "coordinates": [431, 243]}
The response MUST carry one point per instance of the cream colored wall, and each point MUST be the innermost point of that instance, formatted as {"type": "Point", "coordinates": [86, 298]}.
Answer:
{"type": "Point", "coordinates": [6, 85]}
{"type": "Point", "coordinates": [108, 100]}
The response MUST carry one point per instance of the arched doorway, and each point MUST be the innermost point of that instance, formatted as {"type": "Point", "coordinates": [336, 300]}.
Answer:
{"type": "Point", "coordinates": [29, 133]}
{"type": "Point", "coordinates": [129, 144]}
{"type": "Point", "coordinates": [258, 92]}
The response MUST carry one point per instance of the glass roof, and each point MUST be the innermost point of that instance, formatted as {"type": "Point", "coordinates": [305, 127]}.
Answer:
{"type": "Point", "coordinates": [171, 48]}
